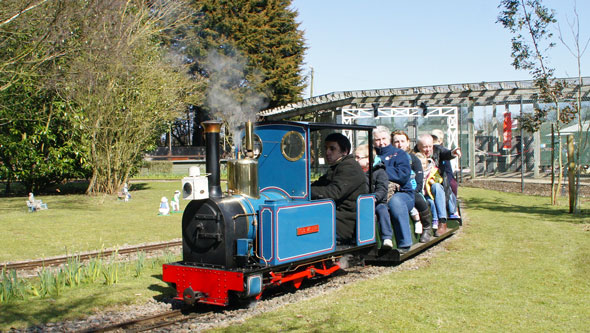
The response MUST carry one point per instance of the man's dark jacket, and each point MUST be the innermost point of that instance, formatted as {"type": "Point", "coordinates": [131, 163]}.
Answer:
{"type": "Point", "coordinates": [380, 183]}
{"type": "Point", "coordinates": [343, 182]}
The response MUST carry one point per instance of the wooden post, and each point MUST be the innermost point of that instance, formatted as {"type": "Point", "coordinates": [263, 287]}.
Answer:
{"type": "Point", "coordinates": [571, 172]}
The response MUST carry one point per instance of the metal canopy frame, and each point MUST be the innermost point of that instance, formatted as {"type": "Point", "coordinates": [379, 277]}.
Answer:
{"type": "Point", "coordinates": [351, 114]}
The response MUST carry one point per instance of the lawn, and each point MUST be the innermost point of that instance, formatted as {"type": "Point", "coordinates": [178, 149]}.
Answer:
{"type": "Point", "coordinates": [76, 223]}
{"type": "Point", "coordinates": [518, 265]}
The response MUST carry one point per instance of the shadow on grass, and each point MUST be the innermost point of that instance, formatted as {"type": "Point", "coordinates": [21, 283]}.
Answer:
{"type": "Point", "coordinates": [139, 187]}
{"type": "Point", "coordinates": [165, 292]}
{"type": "Point", "coordinates": [556, 214]}
{"type": "Point", "coordinates": [13, 314]}
{"type": "Point", "coordinates": [72, 187]}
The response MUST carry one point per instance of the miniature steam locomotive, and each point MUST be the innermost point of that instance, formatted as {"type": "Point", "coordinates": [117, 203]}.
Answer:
{"type": "Point", "coordinates": [265, 230]}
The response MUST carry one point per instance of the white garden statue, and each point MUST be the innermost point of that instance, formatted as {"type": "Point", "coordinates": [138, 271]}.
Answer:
{"type": "Point", "coordinates": [126, 194]}
{"type": "Point", "coordinates": [164, 207]}
{"type": "Point", "coordinates": [35, 205]}
{"type": "Point", "coordinates": [175, 203]}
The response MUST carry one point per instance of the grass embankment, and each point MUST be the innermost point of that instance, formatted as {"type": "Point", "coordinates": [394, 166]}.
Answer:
{"type": "Point", "coordinates": [519, 265]}
{"type": "Point", "coordinates": [78, 223]}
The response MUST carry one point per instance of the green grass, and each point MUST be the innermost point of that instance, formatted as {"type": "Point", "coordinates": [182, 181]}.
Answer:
{"type": "Point", "coordinates": [85, 299]}
{"type": "Point", "coordinates": [519, 265]}
{"type": "Point", "coordinates": [76, 223]}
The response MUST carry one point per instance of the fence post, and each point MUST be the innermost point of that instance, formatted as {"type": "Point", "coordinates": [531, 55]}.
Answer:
{"type": "Point", "coordinates": [495, 139]}
{"type": "Point", "coordinates": [471, 143]}
{"type": "Point", "coordinates": [522, 162]}
{"type": "Point", "coordinates": [537, 147]}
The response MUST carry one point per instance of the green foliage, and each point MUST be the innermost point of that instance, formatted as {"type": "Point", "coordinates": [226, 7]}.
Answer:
{"type": "Point", "coordinates": [263, 32]}
{"type": "Point", "coordinates": [59, 282]}
{"type": "Point", "coordinates": [38, 142]}
{"type": "Point", "coordinates": [127, 99]}
{"type": "Point", "coordinates": [85, 299]}
{"type": "Point", "coordinates": [92, 270]}
{"type": "Point", "coordinates": [530, 23]}
{"type": "Point", "coordinates": [110, 271]}
{"type": "Point", "coordinates": [45, 282]}
{"type": "Point", "coordinates": [12, 287]}
{"type": "Point", "coordinates": [85, 88]}
{"type": "Point", "coordinates": [139, 263]}
{"type": "Point", "coordinates": [157, 167]}
{"type": "Point", "coordinates": [73, 271]}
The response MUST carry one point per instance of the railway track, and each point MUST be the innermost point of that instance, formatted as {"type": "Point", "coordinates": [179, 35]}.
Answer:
{"type": "Point", "coordinates": [147, 323]}
{"type": "Point", "coordinates": [31, 264]}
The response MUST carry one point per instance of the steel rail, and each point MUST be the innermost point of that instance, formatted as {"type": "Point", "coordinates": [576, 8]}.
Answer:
{"type": "Point", "coordinates": [146, 323]}
{"type": "Point", "coordinates": [29, 264]}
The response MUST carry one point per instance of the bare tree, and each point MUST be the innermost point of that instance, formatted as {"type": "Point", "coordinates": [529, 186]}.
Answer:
{"type": "Point", "coordinates": [577, 49]}
{"type": "Point", "coordinates": [529, 21]}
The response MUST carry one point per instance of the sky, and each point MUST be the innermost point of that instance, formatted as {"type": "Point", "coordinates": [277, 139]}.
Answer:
{"type": "Point", "coordinates": [376, 44]}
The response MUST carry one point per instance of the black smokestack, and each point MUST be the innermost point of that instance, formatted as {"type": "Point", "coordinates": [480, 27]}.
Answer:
{"type": "Point", "coordinates": [212, 129]}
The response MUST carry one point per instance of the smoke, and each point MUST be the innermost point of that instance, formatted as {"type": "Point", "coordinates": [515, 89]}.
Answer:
{"type": "Point", "coordinates": [231, 93]}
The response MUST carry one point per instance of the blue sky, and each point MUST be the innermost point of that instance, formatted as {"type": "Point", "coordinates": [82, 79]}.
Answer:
{"type": "Point", "coordinates": [372, 44]}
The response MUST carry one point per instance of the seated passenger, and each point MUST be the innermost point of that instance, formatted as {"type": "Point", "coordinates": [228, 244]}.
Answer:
{"type": "Point", "coordinates": [432, 188]}
{"type": "Point", "coordinates": [402, 141]}
{"type": "Point", "coordinates": [380, 182]}
{"type": "Point", "coordinates": [441, 193]}
{"type": "Point", "coordinates": [343, 182]}
{"type": "Point", "coordinates": [397, 166]}
{"type": "Point", "coordinates": [447, 172]}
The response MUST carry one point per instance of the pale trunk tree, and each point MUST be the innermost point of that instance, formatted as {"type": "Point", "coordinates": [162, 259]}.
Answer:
{"type": "Point", "coordinates": [577, 51]}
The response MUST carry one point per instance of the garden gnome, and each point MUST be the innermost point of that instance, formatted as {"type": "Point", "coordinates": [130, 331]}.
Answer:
{"type": "Point", "coordinates": [164, 207]}
{"type": "Point", "coordinates": [34, 206]}
{"type": "Point", "coordinates": [126, 195]}
{"type": "Point", "coordinates": [175, 203]}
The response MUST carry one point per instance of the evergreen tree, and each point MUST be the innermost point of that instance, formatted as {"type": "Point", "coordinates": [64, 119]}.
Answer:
{"type": "Point", "coordinates": [264, 32]}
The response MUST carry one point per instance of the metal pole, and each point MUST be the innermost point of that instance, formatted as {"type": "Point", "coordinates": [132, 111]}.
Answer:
{"type": "Point", "coordinates": [459, 143]}
{"type": "Point", "coordinates": [471, 142]}
{"type": "Point", "coordinates": [522, 162]}
{"type": "Point", "coordinates": [311, 84]}
{"type": "Point", "coordinates": [552, 163]}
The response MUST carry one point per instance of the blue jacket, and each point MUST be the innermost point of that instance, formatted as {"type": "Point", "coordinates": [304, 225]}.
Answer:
{"type": "Point", "coordinates": [397, 165]}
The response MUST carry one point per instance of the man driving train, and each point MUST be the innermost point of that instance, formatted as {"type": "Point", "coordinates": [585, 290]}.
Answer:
{"type": "Point", "coordinates": [343, 182]}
